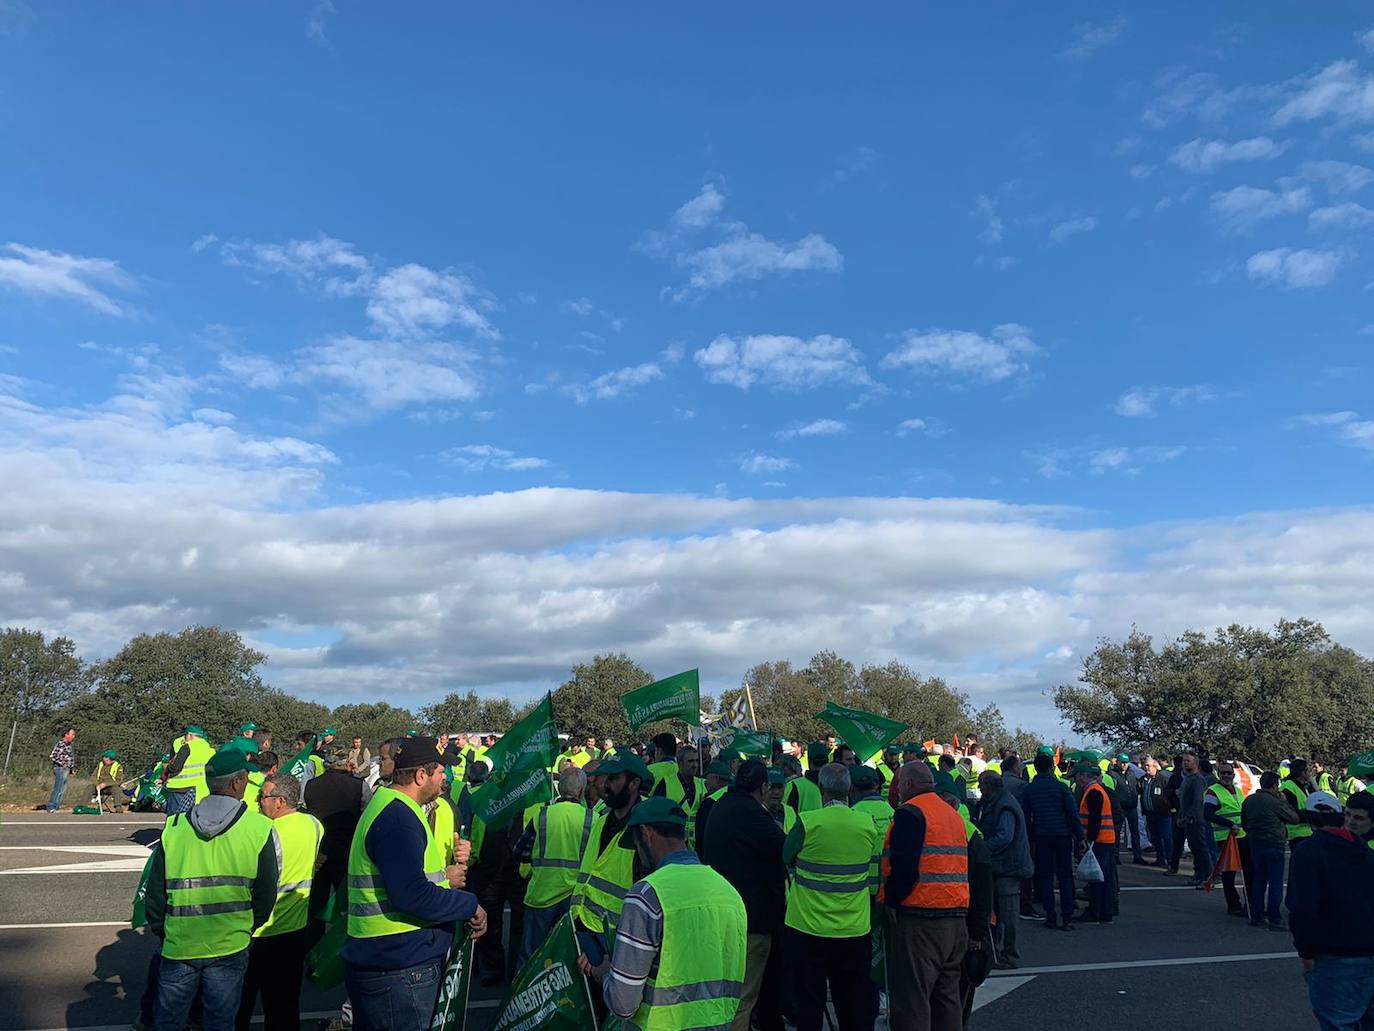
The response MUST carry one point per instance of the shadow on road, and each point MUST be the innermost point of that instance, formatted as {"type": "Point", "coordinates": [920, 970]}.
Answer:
{"type": "Point", "coordinates": [145, 836]}
{"type": "Point", "coordinates": [111, 995]}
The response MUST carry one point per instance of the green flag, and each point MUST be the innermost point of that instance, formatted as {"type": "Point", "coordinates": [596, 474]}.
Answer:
{"type": "Point", "coordinates": [531, 742]}
{"type": "Point", "coordinates": [753, 742]}
{"type": "Point", "coordinates": [502, 798]}
{"type": "Point", "coordinates": [549, 993]}
{"type": "Point", "coordinates": [300, 762]}
{"type": "Point", "coordinates": [676, 697]}
{"type": "Point", "coordinates": [865, 732]}
{"type": "Point", "coordinates": [140, 917]}
{"type": "Point", "coordinates": [1362, 765]}
{"type": "Point", "coordinates": [451, 1007]}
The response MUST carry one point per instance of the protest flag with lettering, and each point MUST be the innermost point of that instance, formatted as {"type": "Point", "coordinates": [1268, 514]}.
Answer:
{"type": "Point", "coordinates": [676, 697]}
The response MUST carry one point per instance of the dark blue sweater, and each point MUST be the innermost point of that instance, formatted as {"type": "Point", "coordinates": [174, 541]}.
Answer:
{"type": "Point", "coordinates": [396, 843]}
{"type": "Point", "coordinates": [1050, 811]}
{"type": "Point", "coordinates": [1331, 896]}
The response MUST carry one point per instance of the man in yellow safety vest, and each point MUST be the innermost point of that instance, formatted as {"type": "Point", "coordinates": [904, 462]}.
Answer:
{"type": "Point", "coordinates": [184, 776]}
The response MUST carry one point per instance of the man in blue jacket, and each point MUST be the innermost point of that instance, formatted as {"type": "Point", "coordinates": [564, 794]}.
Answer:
{"type": "Point", "coordinates": [1054, 825]}
{"type": "Point", "coordinates": [403, 904]}
{"type": "Point", "coordinates": [1331, 907]}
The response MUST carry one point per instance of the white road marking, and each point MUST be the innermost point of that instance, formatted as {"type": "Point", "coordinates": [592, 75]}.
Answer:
{"type": "Point", "coordinates": [479, 1004]}
{"type": "Point", "coordinates": [117, 824]}
{"type": "Point", "coordinates": [991, 991]}
{"type": "Point", "coordinates": [90, 923]}
{"type": "Point", "coordinates": [85, 850]}
{"type": "Point", "coordinates": [1128, 964]}
{"type": "Point", "coordinates": [134, 865]}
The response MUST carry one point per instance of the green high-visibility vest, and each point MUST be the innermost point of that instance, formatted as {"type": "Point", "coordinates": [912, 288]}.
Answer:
{"type": "Point", "coordinates": [1228, 808]}
{"type": "Point", "coordinates": [253, 790]}
{"type": "Point", "coordinates": [801, 795]}
{"type": "Point", "coordinates": [603, 878]}
{"type": "Point", "coordinates": [299, 834]}
{"type": "Point", "coordinates": [192, 774]}
{"type": "Point", "coordinates": [370, 913]}
{"type": "Point", "coordinates": [674, 789]}
{"type": "Point", "coordinates": [1299, 799]}
{"type": "Point", "coordinates": [1345, 787]}
{"type": "Point", "coordinates": [1108, 781]}
{"type": "Point", "coordinates": [829, 897]}
{"type": "Point", "coordinates": [881, 814]}
{"type": "Point", "coordinates": [695, 986]}
{"type": "Point", "coordinates": [561, 833]}
{"type": "Point", "coordinates": [662, 770]}
{"type": "Point", "coordinates": [210, 886]}
{"type": "Point", "coordinates": [443, 829]}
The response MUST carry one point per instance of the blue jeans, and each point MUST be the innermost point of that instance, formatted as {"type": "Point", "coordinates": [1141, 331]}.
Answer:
{"type": "Point", "coordinates": [538, 924]}
{"type": "Point", "coordinates": [219, 981]}
{"type": "Point", "coordinates": [393, 1000]}
{"type": "Point", "coordinates": [179, 801]}
{"type": "Point", "coordinates": [1341, 990]}
{"type": "Point", "coordinates": [1266, 875]}
{"type": "Point", "coordinates": [1054, 862]}
{"type": "Point", "coordinates": [59, 785]}
{"type": "Point", "coordinates": [1161, 827]}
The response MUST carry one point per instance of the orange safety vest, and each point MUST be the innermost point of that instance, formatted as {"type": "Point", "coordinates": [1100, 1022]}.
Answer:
{"type": "Point", "coordinates": [942, 881]}
{"type": "Point", "coordinates": [1107, 834]}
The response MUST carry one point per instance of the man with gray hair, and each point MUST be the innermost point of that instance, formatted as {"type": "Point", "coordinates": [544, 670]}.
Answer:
{"type": "Point", "coordinates": [828, 919]}
{"type": "Point", "coordinates": [550, 851]}
{"type": "Point", "coordinates": [1003, 826]}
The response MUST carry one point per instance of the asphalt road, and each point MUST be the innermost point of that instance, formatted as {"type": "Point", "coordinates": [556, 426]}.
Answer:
{"type": "Point", "coordinates": [69, 960]}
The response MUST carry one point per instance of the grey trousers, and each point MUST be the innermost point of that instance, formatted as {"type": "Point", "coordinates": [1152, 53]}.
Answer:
{"type": "Point", "coordinates": [1007, 906]}
{"type": "Point", "coordinates": [924, 959]}
{"type": "Point", "coordinates": [755, 962]}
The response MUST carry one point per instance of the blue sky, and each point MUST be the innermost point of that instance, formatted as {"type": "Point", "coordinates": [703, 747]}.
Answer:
{"type": "Point", "coordinates": [434, 347]}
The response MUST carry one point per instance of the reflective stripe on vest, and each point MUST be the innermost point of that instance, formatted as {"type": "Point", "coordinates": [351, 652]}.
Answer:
{"type": "Point", "coordinates": [1299, 799]}
{"type": "Point", "coordinates": [691, 986]}
{"type": "Point", "coordinates": [802, 795]}
{"type": "Point", "coordinates": [299, 835]}
{"type": "Point", "coordinates": [603, 880]}
{"type": "Point", "coordinates": [192, 774]}
{"type": "Point", "coordinates": [1228, 807]}
{"type": "Point", "coordinates": [370, 913]}
{"type": "Point", "coordinates": [942, 871]}
{"type": "Point", "coordinates": [1106, 835]}
{"type": "Point", "coordinates": [829, 897]}
{"type": "Point", "coordinates": [561, 833]}
{"type": "Point", "coordinates": [210, 886]}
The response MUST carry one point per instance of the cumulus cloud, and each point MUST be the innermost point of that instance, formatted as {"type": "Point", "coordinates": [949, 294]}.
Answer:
{"type": "Point", "coordinates": [1203, 156]}
{"type": "Point", "coordinates": [1053, 463]}
{"type": "Point", "coordinates": [964, 354]}
{"type": "Point", "coordinates": [387, 374]}
{"type": "Point", "coordinates": [94, 282]}
{"type": "Point", "coordinates": [415, 301]}
{"type": "Point", "coordinates": [1072, 227]}
{"type": "Point", "coordinates": [475, 458]}
{"type": "Point", "coordinates": [815, 428]}
{"type": "Point", "coordinates": [1244, 206]}
{"type": "Point", "coordinates": [786, 362]}
{"type": "Point", "coordinates": [616, 383]}
{"type": "Point", "coordinates": [755, 463]}
{"type": "Point", "coordinates": [1140, 401]}
{"type": "Point", "coordinates": [1348, 427]}
{"type": "Point", "coordinates": [1337, 176]}
{"type": "Point", "coordinates": [1348, 215]}
{"type": "Point", "coordinates": [1295, 269]}
{"type": "Point", "coordinates": [1340, 91]}
{"type": "Point", "coordinates": [330, 264]}
{"type": "Point", "coordinates": [1090, 37]}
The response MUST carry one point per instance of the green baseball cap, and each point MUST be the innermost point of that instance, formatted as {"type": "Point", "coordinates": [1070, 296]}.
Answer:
{"type": "Point", "coordinates": [912, 748]}
{"type": "Point", "coordinates": [110, 753]}
{"type": "Point", "coordinates": [1044, 750]}
{"type": "Point", "coordinates": [776, 776]}
{"type": "Point", "coordinates": [328, 731]}
{"type": "Point", "coordinates": [1123, 758]}
{"type": "Point", "coordinates": [248, 725]}
{"type": "Point", "coordinates": [1086, 767]}
{"type": "Point", "coordinates": [626, 763]}
{"type": "Point", "coordinates": [412, 732]}
{"type": "Point", "coordinates": [730, 755]}
{"type": "Point", "coordinates": [817, 751]}
{"type": "Point", "coordinates": [864, 777]}
{"type": "Point", "coordinates": [892, 750]}
{"type": "Point", "coordinates": [719, 769]}
{"type": "Point", "coordinates": [226, 762]}
{"type": "Point", "coordinates": [196, 729]}
{"type": "Point", "coordinates": [657, 810]}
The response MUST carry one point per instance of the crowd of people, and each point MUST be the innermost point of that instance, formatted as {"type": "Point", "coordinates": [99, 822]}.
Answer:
{"type": "Point", "coordinates": [813, 879]}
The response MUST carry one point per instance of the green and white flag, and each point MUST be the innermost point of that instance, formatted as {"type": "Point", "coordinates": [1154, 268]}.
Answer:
{"type": "Point", "coordinates": [451, 1007]}
{"type": "Point", "coordinates": [757, 743]}
{"type": "Point", "coordinates": [1362, 765]}
{"type": "Point", "coordinates": [300, 765]}
{"type": "Point", "coordinates": [502, 799]}
{"type": "Point", "coordinates": [865, 732]}
{"type": "Point", "coordinates": [676, 697]}
{"type": "Point", "coordinates": [140, 916]}
{"type": "Point", "coordinates": [549, 993]}
{"type": "Point", "coordinates": [531, 742]}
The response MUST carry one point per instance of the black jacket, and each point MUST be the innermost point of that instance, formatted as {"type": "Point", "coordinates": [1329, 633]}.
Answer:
{"type": "Point", "coordinates": [746, 849]}
{"type": "Point", "coordinates": [1331, 896]}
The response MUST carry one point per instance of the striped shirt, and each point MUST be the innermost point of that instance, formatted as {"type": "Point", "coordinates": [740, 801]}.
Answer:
{"type": "Point", "coordinates": [638, 941]}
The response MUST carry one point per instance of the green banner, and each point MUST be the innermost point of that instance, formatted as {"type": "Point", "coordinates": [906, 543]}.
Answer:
{"type": "Point", "coordinates": [531, 742]}
{"type": "Point", "coordinates": [753, 742]}
{"type": "Point", "coordinates": [451, 1008]}
{"type": "Point", "coordinates": [140, 917]}
{"type": "Point", "coordinates": [675, 698]}
{"type": "Point", "coordinates": [300, 762]}
{"type": "Point", "coordinates": [549, 993]}
{"type": "Point", "coordinates": [501, 799]}
{"type": "Point", "coordinates": [1362, 765]}
{"type": "Point", "coordinates": [865, 732]}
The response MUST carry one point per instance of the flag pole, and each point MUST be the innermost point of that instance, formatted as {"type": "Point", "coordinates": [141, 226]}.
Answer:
{"type": "Point", "coordinates": [748, 694]}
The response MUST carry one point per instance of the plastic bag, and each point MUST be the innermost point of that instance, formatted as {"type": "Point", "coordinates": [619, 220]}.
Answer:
{"type": "Point", "coordinates": [1089, 869]}
{"type": "Point", "coordinates": [324, 964]}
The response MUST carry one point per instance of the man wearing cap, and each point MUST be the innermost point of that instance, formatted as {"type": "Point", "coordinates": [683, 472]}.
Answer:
{"type": "Point", "coordinates": [719, 777]}
{"type": "Point", "coordinates": [783, 815]}
{"type": "Point", "coordinates": [911, 752]}
{"type": "Point", "coordinates": [679, 959]}
{"type": "Point", "coordinates": [1127, 799]}
{"type": "Point", "coordinates": [746, 849]}
{"type": "Point", "coordinates": [828, 913]}
{"type": "Point", "coordinates": [866, 799]}
{"type": "Point", "coordinates": [245, 740]}
{"type": "Point", "coordinates": [610, 865]}
{"type": "Point", "coordinates": [685, 787]}
{"type": "Point", "coordinates": [802, 794]}
{"type": "Point", "coordinates": [891, 763]}
{"type": "Point", "coordinates": [105, 781]}
{"type": "Point", "coordinates": [184, 776]}
{"type": "Point", "coordinates": [1003, 826]}
{"type": "Point", "coordinates": [665, 758]}
{"type": "Point", "coordinates": [1054, 825]}
{"type": "Point", "coordinates": [276, 959]}
{"type": "Point", "coordinates": [1099, 831]}
{"type": "Point", "coordinates": [336, 800]}
{"type": "Point", "coordinates": [550, 849]}
{"type": "Point", "coordinates": [212, 882]}
{"type": "Point", "coordinates": [1221, 808]}
{"type": "Point", "coordinates": [401, 908]}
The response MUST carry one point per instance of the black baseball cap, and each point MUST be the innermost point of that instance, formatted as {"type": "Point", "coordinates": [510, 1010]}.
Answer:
{"type": "Point", "coordinates": [411, 753]}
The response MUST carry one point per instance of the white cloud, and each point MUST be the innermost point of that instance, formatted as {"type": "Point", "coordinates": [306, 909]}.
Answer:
{"type": "Point", "coordinates": [578, 306]}
{"type": "Point", "coordinates": [991, 233]}
{"type": "Point", "coordinates": [909, 426]}
{"type": "Point", "coordinates": [962, 353]}
{"type": "Point", "coordinates": [55, 274]}
{"type": "Point", "coordinates": [415, 301]}
{"type": "Point", "coordinates": [315, 24]}
{"type": "Point", "coordinates": [1142, 171]}
{"type": "Point", "coordinates": [330, 264]}
{"type": "Point", "coordinates": [755, 463]}
{"type": "Point", "coordinates": [1053, 463]}
{"type": "Point", "coordinates": [702, 210]}
{"type": "Point", "coordinates": [861, 160]}
{"type": "Point", "coordinates": [815, 428]}
{"type": "Point", "coordinates": [474, 458]}
{"type": "Point", "coordinates": [1348, 427]}
{"type": "Point", "coordinates": [1294, 269]}
{"type": "Point", "coordinates": [1202, 156]}
{"type": "Point", "coordinates": [1341, 216]}
{"type": "Point", "coordinates": [214, 416]}
{"type": "Point", "coordinates": [1339, 91]}
{"type": "Point", "coordinates": [1072, 227]}
{"type": "Point", "coordinates": [1337, 176]}
{"type": "Point", "coordinates": [1140, 401]}
{"type": "Point", "coordinates": [1244, 206]}
{"type": "Point", "coordinates": [203, 241]}
{"type": "Point", "coordinates": [1089, 38]}
{"type": "Point", "coordinates": [615, 383]}
{"type": "Point", "coordinates": [791, 363]}
{"type": "Point", "coordinates": [387, 374]}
